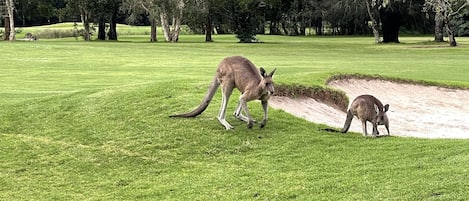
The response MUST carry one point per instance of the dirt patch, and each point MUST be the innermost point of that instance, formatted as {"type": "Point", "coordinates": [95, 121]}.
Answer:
{"type": "Point", "coordinates": [415, 110]}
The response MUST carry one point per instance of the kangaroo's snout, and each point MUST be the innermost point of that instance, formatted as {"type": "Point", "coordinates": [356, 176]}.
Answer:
{"type": "Point", "coordinates": [271, 92]}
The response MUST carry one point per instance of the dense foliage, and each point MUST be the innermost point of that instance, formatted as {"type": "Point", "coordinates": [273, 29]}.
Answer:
{"type": "Point", "coordinates": [246, 18]}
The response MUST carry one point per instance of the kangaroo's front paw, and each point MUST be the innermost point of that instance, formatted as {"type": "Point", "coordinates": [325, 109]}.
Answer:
{"type": "Point", "coordinates": [263, 123]}
{"type": "Point", "coordinates": [250, 124]}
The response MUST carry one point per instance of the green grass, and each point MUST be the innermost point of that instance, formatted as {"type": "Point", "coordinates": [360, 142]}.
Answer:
{"type": "Point", "coordinates": [89, 120]}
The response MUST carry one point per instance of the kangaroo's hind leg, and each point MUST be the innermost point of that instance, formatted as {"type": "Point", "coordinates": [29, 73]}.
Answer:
{"type": "Point", "coordinates": [226, 93]}
{"type": "Point", "coordinates": [365, 133]}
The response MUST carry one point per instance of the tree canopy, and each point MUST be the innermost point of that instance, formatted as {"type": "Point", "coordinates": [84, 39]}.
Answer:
{"type": "Point", "coordinates": [246, 18]}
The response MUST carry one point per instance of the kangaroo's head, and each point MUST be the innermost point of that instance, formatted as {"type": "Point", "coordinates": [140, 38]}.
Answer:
{"type": "Point", "coordinates": [267, 83]}
{"type": "Point", "coordinates": [381, 117]}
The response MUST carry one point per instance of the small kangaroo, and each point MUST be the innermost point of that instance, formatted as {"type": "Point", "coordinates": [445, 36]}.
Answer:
{"type": "Point", "coordinates": [254, 84]}
{"type": "Point", "coordinates": [367, 108]}
{"type": "Point", "coordinates": [30, 37]}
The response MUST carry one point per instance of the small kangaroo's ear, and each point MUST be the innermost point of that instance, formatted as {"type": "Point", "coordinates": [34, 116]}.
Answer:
{"type": "Point", "coordinates": [386, 107]}
{"type": "Point", "coordinates": [272, 73]}
{"type": "Point", "coordinates": [263, 73]}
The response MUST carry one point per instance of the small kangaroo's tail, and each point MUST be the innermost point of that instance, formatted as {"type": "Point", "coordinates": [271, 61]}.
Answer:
{"type": "Point", "coordinates": [205, 102]}
{"type": "Point", "coordinates": [348, 121]}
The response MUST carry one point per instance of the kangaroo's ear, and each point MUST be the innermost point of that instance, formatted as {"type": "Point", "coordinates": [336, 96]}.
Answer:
{"type": "Point", "coordinates": [386, 107]}
{"type": "Point", "coordinates": [263, 73]}
{"type": "Point", "coordinates": [272, 73]}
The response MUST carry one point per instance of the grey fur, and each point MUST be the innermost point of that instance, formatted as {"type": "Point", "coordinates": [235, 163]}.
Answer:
{"type": "Point", "coordinates": [253, 83]}
{"type": "Point", "coordinates": [367, 108]}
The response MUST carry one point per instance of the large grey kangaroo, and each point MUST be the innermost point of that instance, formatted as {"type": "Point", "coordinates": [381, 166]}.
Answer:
{"type": "Point", "coordinates": [367, 108]}
{"type": "Point", "coordinates": [254, 84]}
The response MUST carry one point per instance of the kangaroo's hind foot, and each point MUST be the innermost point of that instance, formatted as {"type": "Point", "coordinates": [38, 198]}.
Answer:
{"type": "Point", "coordinates": [225, 123]}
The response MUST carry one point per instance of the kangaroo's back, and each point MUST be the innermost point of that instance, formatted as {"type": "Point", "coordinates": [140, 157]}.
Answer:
{"type": "Point", "coordinates": [364, 107]}
{"type": "Point", "coordinates": [239, 72]}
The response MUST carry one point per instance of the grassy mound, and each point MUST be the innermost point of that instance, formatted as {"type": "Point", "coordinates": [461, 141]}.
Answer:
{"type": "Point", "coordinates": [331, 97]}
{"type": "Point", "coordinates": [393, 79]}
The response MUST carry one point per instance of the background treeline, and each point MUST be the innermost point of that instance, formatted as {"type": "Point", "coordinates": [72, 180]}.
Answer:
{"type": "Point", "coordinates": [246, 18]}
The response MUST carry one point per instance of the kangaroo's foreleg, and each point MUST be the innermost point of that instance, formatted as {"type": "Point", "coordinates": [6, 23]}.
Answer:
{"type": "Point", "coordinates": [386, 124]}
{"type": "Point", "coordinates": [265, 107]}
{"type": "Point", "coordinates": [226, 93]}
{"type": "Point", "coordinates": [238, 113]}
{"type": "Point", "coordinates": [375, 130]}
{"type": "Point", "coordinates": [243, 104]}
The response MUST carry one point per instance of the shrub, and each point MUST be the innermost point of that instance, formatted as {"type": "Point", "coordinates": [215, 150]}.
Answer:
{"type": "Point", "coordinates": [56, 33]}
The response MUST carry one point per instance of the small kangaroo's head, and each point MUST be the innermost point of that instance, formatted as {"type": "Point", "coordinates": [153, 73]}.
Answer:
{"type": "Point", "coordinates": [381, 117]}
{"type": "Point", "coordinates": [267, 83]}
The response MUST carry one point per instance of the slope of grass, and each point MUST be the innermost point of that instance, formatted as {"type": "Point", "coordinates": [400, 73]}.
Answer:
{"type": "Point", "coordinates": [88, 120]}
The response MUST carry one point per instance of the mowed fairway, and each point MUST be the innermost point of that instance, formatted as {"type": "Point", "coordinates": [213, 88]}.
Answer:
{"type": "Point", "coordinates": [89, 121]}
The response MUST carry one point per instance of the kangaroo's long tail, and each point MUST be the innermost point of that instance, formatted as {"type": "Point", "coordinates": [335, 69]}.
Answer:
{"type": "Point", "coordinates": [205, 102]}
{"type": "Point", "coordinates": [348, 121]}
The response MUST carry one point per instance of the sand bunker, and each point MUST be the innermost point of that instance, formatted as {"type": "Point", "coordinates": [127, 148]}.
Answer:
{"type": "Point", "coordinates": [415, 110]}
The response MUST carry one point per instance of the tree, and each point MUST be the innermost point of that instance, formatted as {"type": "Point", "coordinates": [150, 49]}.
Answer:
{"type": "Point", "coordinates": [273, 14]}
{"type": "Point", "coordinates": [388, 14]}
{"type": "Point", "coordinates": [347, 17]}
{"type": "Point", "coordinates": [391, 16]}
{"type": "Point", "coordinates": [10, 24]}
{"type": "Point", "coordinates": [245, 19]}
{"type": "Point", "coordinates": [201, 15]}
{"type": "Point", "coordinates": [83, 8]}
{"type": "Point", "coordinates": [113, 7]}
{"type": "Point", "coordinates": [446, 10]}
{"type": "Point", "coordinates": [439, 26]}
{"type": "Point", "coordinates": [372, 7]}
{"type": "Point", "coordinates": [37, 12]}
{"type": "Point", "coordinates": [150, 8]}
{"type": "Point", "coordinates": [171, 13]}
{"type": "Point", "coordinates": [461, 22]}
{"type": "Point", "coordinates": [103, 11]}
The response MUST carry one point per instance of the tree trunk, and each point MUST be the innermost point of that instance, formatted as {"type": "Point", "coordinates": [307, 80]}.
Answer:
{"type": "Point", "coordinates": [273, 28]}
{"type": "Point", "coordinates": [6, 35]}
{"type": "Point", "coordinates": [153, 36]}
{"type": "Point", "coordinates": [10, 10]}
{"type": "Point", "coordinates": [284, 27]}
{"type": "Point", "coordinates": [102, 29]}
{"type": "Point", "coordinates": [177, 21]}
{"type": "Point", "coordinates": [86, 34]}
{"type": "Point", "coordinates": [165, 25]}
{"type": "Point", "coordinates": [372, 12]}
{"type": "Point", "coordinates": [172, 35]}
{"type": "Point", "coordinates": [294, 29]}
{"type": "Point", "coordinates": [391, 22]}
{"type": "Point", "coordinates": [208, 29]}
{"type": "Point", "coordinates": [303, 29]}
{"type": "Point", "coordinates": [439, 24]}
{"type": "Point", "coordinates": [318, 25]}
{"type": "Point", "coordinates": [450, 32]}
{"type": "Point", "coordinates": [86, 25]}
{"type": "Point", "coordinates": [112, 35]}
{"type": "Point", "coordinates": [176, 27]}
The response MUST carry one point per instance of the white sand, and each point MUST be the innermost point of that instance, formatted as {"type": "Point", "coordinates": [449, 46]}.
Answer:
{"type": "Point", "coordinates": [414, 111]}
